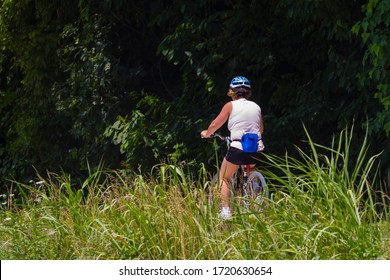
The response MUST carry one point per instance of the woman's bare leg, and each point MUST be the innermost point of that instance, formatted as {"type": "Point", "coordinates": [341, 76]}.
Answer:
{"type": "Point", "coordinates": [226, 173]}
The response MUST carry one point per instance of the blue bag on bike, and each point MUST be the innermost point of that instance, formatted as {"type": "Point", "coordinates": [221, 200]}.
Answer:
{"type": "Point", "coordinates": [249, 142]}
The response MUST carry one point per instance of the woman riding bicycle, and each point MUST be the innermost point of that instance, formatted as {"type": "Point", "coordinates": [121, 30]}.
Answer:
{"type": "Point", "coordinates": [244, 118]}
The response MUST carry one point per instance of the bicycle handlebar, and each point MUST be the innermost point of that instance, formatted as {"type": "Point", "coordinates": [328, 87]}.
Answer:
{"type": "Point", "coordinates": [223, 138]}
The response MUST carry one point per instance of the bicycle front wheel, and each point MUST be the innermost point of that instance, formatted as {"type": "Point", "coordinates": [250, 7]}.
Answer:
{"type": "Point", "coordinates": [257, 191]}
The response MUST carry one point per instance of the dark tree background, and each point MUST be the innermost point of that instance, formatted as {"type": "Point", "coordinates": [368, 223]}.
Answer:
{"type": "Point", "coordinates": [132, 83]}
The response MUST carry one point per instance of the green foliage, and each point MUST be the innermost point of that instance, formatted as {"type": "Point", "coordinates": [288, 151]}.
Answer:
{"type": "Point", "coordinates": [147, 130]}
{"type": "Point", "coordinates": [373, 29]}
{"type": "Point", "coordinates": [152, 74]}
{"type": "Point", "coordinates": [64, 85]}
{"type": "Point", "coordinates": [150, 135]}
{"type": "Point", "coordinates": [300, 55]}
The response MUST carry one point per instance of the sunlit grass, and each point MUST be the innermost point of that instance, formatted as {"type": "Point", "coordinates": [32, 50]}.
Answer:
{"type": "Point", "coordinates": [322, 206]}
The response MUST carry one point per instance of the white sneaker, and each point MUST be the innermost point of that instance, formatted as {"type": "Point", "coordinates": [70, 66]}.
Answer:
{"type": "Point", "coordinates": [225, 213]}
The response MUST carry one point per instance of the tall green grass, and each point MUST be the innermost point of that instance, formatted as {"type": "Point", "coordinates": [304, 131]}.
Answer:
{"type": "Point", "coordinates": [323, 206]}
{"type": "Point", "coordinates": [328, 200]}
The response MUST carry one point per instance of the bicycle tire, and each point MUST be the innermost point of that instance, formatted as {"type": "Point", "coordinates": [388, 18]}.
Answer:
{"type": "Point", "coordinates": [257, 191]}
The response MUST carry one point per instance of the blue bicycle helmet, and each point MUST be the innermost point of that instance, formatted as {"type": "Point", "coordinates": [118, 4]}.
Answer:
{"type": "Point", "coordinates": [240, 81]}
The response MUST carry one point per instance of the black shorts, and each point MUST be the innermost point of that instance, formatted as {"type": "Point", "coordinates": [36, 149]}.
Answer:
{"type": "Point", "coordinates": [237, 156]}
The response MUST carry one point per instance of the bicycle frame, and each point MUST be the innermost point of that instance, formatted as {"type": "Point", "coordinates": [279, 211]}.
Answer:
{"type": "Point", "coordinates": [245, 181]}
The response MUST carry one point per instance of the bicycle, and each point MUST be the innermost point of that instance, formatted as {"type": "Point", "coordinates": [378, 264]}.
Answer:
{"type": "Point", "coordinates": [254, 191]}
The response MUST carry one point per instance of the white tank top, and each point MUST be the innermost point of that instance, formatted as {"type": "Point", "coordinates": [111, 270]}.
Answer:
{"type": "Point", "coordinates": [244, 118]}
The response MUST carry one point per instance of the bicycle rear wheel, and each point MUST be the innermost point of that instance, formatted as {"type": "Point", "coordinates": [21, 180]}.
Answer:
{"type": "Point", "coordinates": [256, 191]}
